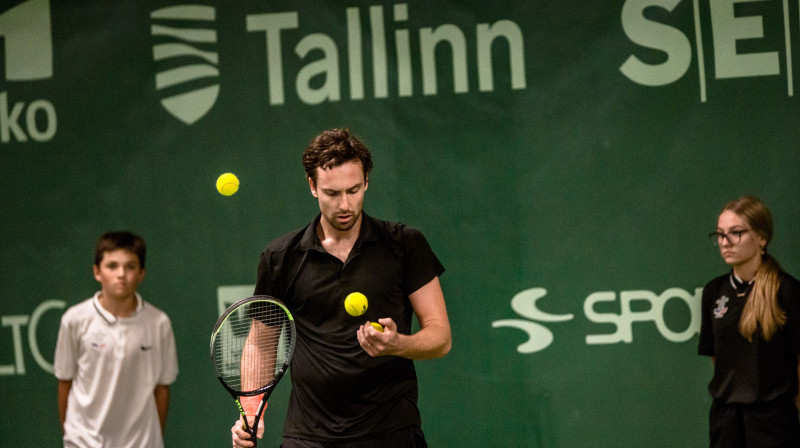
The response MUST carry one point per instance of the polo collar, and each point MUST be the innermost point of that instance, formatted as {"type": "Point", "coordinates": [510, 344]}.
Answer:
{"type": "Point", "coordinates": [737, 283]}
{"type": "Point", "coordinates": [107, 315]}
{"type": "Point", "coordinates": [309, 240]}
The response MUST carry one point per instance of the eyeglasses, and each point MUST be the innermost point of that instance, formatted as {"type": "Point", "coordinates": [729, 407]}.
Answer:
{"type": "Point", "coordinates": [733, 237]}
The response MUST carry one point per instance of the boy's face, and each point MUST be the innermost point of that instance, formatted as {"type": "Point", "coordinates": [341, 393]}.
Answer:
{"type": "Point", "coordinates": [119, 274]}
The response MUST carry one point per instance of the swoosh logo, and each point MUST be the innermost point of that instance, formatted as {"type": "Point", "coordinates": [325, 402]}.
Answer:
{"type": "Point", "coordinates": [539, 336]}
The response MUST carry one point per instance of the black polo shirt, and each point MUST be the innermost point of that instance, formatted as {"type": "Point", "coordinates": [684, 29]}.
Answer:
{"type": "Point", "coordinates": [339, 392]}
{"type": "Point", "coordinates": [744, 371]}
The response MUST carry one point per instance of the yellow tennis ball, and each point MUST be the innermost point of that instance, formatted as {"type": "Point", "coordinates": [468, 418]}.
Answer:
{"type": "Point", "coordinates": [227, 184]}
{"type": "Point", "coordinates": [377, 326]}
{"type": "Point", "coordinates": [356, 304]}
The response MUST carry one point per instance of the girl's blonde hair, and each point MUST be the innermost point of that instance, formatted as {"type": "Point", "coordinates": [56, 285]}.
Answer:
{"type": "Point", "coordinates": [762, 313]}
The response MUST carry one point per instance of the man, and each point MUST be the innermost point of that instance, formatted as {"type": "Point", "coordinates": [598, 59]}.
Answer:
{"type": "Point", "coordinates": [352, 385]}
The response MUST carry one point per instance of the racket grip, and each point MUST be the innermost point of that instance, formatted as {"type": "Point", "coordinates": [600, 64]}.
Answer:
{"type": "Point", "coordinates": [253, 439]}
{"type": "Point", "coordinates": [253, 407]}
{"type": "Point", "coordinates": [251, 431]}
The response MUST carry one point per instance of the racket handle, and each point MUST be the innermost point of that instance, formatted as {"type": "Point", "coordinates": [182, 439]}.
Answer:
{"type": "Point", "coordinates": [253, 407]}
{"type": "Point", "coordinates": [253, 430]}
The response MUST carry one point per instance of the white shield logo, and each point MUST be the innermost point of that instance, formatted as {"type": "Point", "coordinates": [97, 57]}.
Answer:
{"type": "Point", "coordinates": [187, 63]}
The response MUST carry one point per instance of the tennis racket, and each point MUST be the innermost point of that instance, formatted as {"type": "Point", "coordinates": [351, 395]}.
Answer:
{"type": "Point", "coordinates": [251, 347]}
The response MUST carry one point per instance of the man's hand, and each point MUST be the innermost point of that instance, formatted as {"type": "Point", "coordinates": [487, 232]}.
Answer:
{"type": "Point", "coordinates": [241, 438]}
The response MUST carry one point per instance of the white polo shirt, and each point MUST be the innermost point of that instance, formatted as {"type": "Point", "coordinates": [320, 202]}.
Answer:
{"type": "Point", "coordinates": [114, 364]}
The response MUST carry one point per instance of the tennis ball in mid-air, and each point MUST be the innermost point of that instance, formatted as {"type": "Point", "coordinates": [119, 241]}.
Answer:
{"type": "Point", "coordinates": [377, 326]}
{"type": "Point", "coordinates": [227, 184]}
{"type": "Point", "coordinates": [355, 304]}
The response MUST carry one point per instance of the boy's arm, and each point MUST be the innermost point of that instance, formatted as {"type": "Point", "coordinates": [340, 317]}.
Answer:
{"type": "Point", "coordinates": [161, 394]}
{"type": "Point", "coordinates": [63, 395]}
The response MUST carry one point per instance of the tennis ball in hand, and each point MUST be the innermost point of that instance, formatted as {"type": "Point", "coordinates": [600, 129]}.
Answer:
{"type": "Point", "coordinates": [227, 184]}
{"type": "Point", "coordinates": [355, 304]}
{"type": "Point", "coordinates": [377, 326]}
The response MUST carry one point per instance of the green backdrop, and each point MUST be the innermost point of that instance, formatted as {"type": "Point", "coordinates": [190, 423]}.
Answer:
{"type": "Point", "coordinates": [564, 158]}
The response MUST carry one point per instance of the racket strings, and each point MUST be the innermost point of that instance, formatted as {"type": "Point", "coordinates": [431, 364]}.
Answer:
{"type": "Point", "coordinates": [252, 346]}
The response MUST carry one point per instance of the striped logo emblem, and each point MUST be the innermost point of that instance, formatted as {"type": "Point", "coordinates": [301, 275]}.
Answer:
{"type": "Point", "coordinates": [187, 77]}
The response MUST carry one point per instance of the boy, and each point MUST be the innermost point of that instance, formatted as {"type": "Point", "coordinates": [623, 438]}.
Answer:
{"type": "Point", "coordinates": [115, 356]}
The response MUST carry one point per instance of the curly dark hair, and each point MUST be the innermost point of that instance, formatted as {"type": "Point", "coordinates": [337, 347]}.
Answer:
{"type": "Point", "coordinates": [334, 147]}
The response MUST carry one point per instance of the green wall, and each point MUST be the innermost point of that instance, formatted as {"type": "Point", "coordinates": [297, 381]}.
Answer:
{"type": "Point", "coordinates": [568, 155]}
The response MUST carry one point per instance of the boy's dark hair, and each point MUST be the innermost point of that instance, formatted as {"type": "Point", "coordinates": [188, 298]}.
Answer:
{"type": "Point", "coordinates": [112, 241]}
{"type": "Point", "coordinates": [332, 148]}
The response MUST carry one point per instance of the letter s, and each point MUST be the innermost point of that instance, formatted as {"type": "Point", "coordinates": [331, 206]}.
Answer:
{"type": "Point", "coordinates": [658, 36]}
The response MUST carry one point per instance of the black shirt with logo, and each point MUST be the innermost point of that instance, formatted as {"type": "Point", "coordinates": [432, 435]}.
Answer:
{"type": "Point", "coordinates": [749, 372]}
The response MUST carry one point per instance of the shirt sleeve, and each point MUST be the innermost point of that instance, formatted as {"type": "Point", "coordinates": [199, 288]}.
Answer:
{"type": "Point", "coordinates": [169, 355]}
{"type": "Point", "coordinates": [67, 346]}
{"type": "Point", "coordinates": [421, 264]}
{"type": "Point", "coordinates": [265, 284]}
{"type": "Point", "coordinates": [706, 344]}
{"type": "Point", "coordinates": [279, 263]}
{"type": "Point", "coordinates": [790, 300]}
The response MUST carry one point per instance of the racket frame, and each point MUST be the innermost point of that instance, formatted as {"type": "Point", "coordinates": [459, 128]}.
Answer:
{"type": "Point", "coordinates": [269, 387]}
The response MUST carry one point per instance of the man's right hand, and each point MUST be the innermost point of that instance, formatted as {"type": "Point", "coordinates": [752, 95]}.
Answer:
{"type": "Point", "coordinates": [241, 438]}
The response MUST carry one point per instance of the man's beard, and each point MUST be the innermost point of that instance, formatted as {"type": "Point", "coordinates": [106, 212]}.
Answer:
{"type": "Point", "coordinates": [343, 227]}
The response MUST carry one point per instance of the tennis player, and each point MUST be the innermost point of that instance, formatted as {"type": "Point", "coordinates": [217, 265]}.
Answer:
{"type": "Point", "coordinates": [353, 386]}
{"type": "Point", "coordinates": [751, 329]}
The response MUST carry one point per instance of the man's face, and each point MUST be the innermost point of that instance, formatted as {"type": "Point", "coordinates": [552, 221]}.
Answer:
{"type": "Point", "coordinates": [340, 192]}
